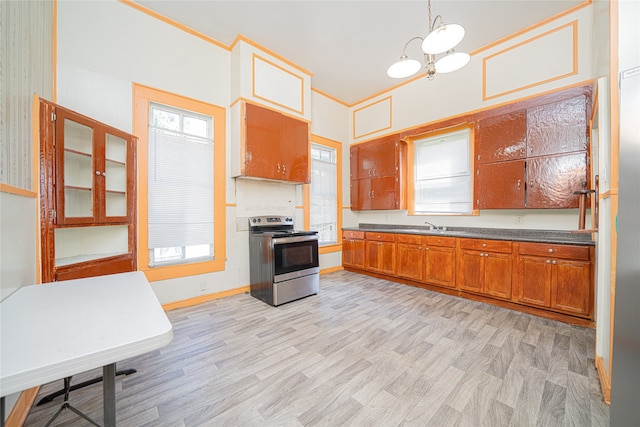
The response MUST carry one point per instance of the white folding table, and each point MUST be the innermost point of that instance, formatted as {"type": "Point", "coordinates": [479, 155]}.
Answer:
{"type": "Point", "coordinates": [55, 330]}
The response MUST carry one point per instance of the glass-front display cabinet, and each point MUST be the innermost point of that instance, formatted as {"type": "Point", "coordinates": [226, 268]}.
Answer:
{"type": "Point", "coordinates": [88, 196]}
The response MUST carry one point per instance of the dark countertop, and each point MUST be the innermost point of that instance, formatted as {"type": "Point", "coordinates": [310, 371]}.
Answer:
{"type": "Point", "coordinates": [521, 235]}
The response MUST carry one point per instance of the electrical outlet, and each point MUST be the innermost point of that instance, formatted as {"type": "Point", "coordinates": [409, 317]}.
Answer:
{"type": "Point", "coordinates": [519, 219]}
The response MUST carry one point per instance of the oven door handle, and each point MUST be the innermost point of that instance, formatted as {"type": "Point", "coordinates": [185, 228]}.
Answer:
{"type": "Point", "coordinates": [294, 239]}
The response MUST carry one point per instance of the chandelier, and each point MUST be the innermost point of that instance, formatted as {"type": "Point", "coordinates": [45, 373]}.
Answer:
{"type": "Point", "coordinates": [440, 39]}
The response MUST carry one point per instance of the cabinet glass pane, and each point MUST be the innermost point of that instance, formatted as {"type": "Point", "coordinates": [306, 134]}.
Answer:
{"type": "Point", "coordinates": [78, 170]}
{"type": "Point", "coordinates": [115, 175]}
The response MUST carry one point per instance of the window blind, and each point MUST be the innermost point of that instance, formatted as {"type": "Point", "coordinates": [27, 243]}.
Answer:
{"type": "Point", "coordinates": [180, 183]}
{"type": "Point", "coordinates": [443, 174]}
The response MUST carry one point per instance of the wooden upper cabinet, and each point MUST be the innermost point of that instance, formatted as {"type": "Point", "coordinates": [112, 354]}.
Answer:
{"type": "Point", "coordinates": [551, 180]}
{"type": "Point", "coordinates": [554, 131]}
{"type": "Point", "coordinates": [502, 137]}
{"type": "Point", "coordinates": [378, 158]}
{"type": "Point", "coordinates": [94, 173]}
{"type": "Point", "coordinates": [501, 185]}
{"type": "Point", "coordinates": [88, 196]}
{"type": "Point", "coordinates": [377, 174]}
{"type": "Point", "coordinates": [559, 127]}
{"type": "Point", "coordinates": [276, 146]}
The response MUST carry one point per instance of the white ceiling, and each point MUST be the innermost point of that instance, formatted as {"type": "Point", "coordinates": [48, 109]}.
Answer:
{"type": "Point", "coordinates": [348, 45]}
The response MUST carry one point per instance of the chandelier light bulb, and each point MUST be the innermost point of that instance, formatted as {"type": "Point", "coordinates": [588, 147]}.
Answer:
{"type": "Point", "coordinates": [443, 38]}
{"type": "Point", "coordinates": [452, 61]}
{"type": "Point", "coordinates": [405, 67]}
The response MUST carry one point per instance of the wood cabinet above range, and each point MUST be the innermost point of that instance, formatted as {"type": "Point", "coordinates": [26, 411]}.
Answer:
{"type": "Point", "coordinates": [270, 145]}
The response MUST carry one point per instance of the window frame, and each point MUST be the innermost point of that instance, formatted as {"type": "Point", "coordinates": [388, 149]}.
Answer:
{"type": "Point", "coordinates": [337, 146]}
{"type": "Point", "coordinates": [143, 96]}
{"type": "Point", "coordinates": [411, 172]}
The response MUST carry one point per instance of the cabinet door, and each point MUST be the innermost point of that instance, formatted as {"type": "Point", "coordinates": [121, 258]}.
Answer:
{"type": "Point", "coordinates": [497, 274]}
{"type": "Point", "coordinates": [294, 150]}
{"type": "Point", "coordinates": [362, 196]}
{"type": "Point", "coordinates": [559, 127]}
{"type": "Point", "coordinates": [378, 158]}
{"type": "Point", "coordinates": [502, 137]}
{"type": "Point", "coordinates": [372, 255]}
{"type": "Point", "coordinates": [571, 286]}
{"type": "Point", "coordinates": [440, 266]}
{"type": "Point", "coordinates": [118, 176]}
{"type": "Point", "coordinates": [384, 193]}
{"type": "Point", "coordinates": [501, 185]}
{"type": "Point", "coordinates": [76, 142]}
{"type": "Point", "coordinates": [534, 281]}
{"type": "Point", "coordinates": [387, 259]}
{"type": "Point", "coordinates": [471, 271]}
{"type": "Point", "coordinates": [353, 162]}
{"type": "Point", "coordinates": [262, 152]}
{"type": "Point", "coordinates": [409, 261]}
{"type": "Point", "coordinates": [353, 253]}
{"type": "Point", "coordinates": [552, 180]}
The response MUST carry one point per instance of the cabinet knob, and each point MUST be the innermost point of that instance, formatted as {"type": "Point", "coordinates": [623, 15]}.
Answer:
{"type": "Point", "coordinates": [484, 245]}
{"type": "Point", "coordinates": [420, 248]}
{"type": "Point", "coordinates": [284, 169]}
{"type": "Point", "coordinates": [550, 250]}
{"type": "Point", "coordinates": [98, 173]}
{"type": "Point", "coordinates": [553, 262]}
{"type": "Point", "coordinates": [518, 184]}
{"type": "Point", "coordinates": [426, 249]}
{"type": "Point", "coordinates": [548, 261]}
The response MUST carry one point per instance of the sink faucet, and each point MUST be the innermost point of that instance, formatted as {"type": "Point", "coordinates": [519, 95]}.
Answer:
{"type": "Point", "coordinates": [435, 227]}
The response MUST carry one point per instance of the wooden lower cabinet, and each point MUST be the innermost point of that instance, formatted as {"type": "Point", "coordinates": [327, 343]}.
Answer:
{"type": "Point", "coordinates": [440, 261]}
{"type": "Point", "coordinates": [409, 257]}
{"type": "Point", "coordinates": [353, 249]}
{"type": "Point", "coordinates": [485, 267]}
{"type": "Point", "coordinates": [557, 277]}
{"type": "Point", "coordinates": [380, 252]}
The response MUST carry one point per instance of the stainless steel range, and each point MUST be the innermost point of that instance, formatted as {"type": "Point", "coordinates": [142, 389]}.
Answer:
{"type": "Point", "coordinates": [283, 261]}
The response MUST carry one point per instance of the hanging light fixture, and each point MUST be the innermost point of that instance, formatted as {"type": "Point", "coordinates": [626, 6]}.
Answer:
{"type": "Point", "coordinates": [441, 39]}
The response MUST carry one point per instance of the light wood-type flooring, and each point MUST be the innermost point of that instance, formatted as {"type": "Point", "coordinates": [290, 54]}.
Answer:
{"type": "Point", "coordinates": [364, 352]}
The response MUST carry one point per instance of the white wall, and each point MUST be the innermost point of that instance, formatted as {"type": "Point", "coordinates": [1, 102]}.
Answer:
{"type": "Point", "coordinates": [25, 69]}
{"type": "Point", "coordinates": [96, 72]}
{"type": "Point", "coordinates": [423, 101]}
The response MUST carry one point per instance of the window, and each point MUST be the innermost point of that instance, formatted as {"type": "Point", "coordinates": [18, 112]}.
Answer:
{"type": "Point", "coordinates": [443, 181]}
{"type": "Point", "coordinates": [180, 192]}
{"type": "Point", "coordinates": [324, 193]}
{"type": "Point", "coordinates": [181, 186]}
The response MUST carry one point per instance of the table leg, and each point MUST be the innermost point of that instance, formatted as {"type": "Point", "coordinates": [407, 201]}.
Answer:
{"type": "Point", "coordinates": [109, 394]}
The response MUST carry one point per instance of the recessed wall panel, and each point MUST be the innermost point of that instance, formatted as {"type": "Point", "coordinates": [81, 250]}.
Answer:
{"type": "Point", "coordinates": [372, 118]}
{"type": "Point", "coordinates": [544, 58]}
{"type": "Point", "coordinates": [277, 85]}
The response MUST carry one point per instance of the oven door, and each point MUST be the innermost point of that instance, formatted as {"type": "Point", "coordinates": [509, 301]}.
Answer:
{"type": "Point", "coordinates": [295, 256]}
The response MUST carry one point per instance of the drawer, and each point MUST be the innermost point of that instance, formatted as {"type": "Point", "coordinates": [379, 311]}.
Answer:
{"type": "Point", "coordinates": [486, 245]}
{"type": "Point", "coordinates": [409, 238]}
{"type": "Point", "coordinates": [554, 250]}
{"type": "Point", "coordinates": [380, 237]}
{"type": "Point", "coordinates": [449, 242]}
{"type": "Point", "coordinates": [350, 234]}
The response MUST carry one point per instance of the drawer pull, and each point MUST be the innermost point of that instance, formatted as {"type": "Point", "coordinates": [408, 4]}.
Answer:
{"type": "Point", "coordinates": [484, 245]}
{"type": "Point", "coordinates": [548, 261]}
{"type": "Point", "coordinates": [550, 250]}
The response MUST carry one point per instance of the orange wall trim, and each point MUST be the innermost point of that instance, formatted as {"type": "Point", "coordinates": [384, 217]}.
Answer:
{"type": "Point", "coordinates": [176, 24]}
{"type": "Point", "coordinates": [255, 58]}
{"type": "Point", "coordinates": [333, 98]}
{"type": "Point", "coordinates": [6, 188]}
{"type": "Point", "coordinates": [479, 110]}
{"type": "Point", "coordinates": [574, 71]}
{"type": "Point", "coordinates": [247, 40]}
{"type": "Point", "coordinates": [21, 409]}
{"type": "Point", "coordinates": [605, 381]}
{"type": "Point", "coordinates": [354, 118]}
{"type": "Point", "coordinates": [268, 107]}
{"type": "Point", "coordinates": [330, 248]}
{"type": "Point", "coordinates": [203, 298]}
{"type": "Point", "coordinates": [331, 269]}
